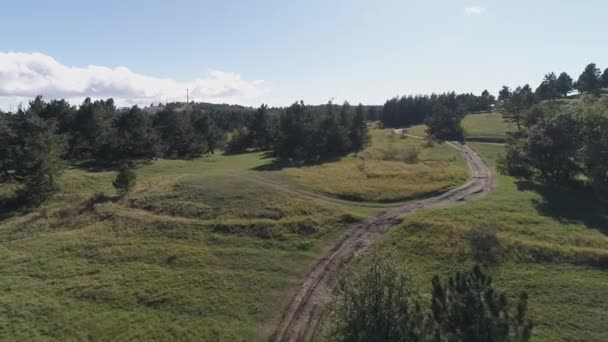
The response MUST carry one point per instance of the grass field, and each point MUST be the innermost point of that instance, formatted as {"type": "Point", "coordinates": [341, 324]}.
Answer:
{"type": "Point", "coordinates": [488, 127]}
{"type": "Point", "coordinates": [199, 252]}
{"type": "Point", "coordinates": [386, 171]}
{"type": "Point", "coordinates": [196, 252]}
{"type": "Point", "coordinates": [556, 248]}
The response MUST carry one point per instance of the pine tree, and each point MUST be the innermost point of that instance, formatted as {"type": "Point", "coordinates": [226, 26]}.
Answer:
{"type": "Point", "coordinates": [125, 179]}
{"type": "Point", "coordinates": [444, 124]}
{"type": "Point", "coordinates": [565, 84]}
{"type": "Point", "coordinates": [468, 308]}
{"type": "Point", "coordinates": [589, 81]}
{"type": "Point", "coordinates": [519, 100]}
{"type": "Point", "coordinates": [37, 155]}
{"type": "Point", "coordinates": [261, 128]}
{"type": "Point", "coordinates": [135, 135]}
{"type": "Point", "coordinates": [548, 88]}
{"type": "Point", "coordinates": [378, 305]}
{"type": "Point", "coordinates": [604, 79]}
{"type": "Point", "coordinates": [359, 135]}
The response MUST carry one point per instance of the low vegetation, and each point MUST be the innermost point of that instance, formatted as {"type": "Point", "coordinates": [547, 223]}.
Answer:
{"type": "Point", "coordinates": [194, 251]}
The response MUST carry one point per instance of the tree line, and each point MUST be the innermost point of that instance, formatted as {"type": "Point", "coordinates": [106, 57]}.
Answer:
{"type": "Point", "coordinates": [36, 142]}
{"type": "Point", "coordinates": [442, 113]}
{"type": "Point", "coordinates": [413, 110]}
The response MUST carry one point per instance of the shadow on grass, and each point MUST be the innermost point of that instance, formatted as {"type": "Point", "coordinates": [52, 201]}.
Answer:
{"type": "Point", "coordinates": [276, 164]}
{"type": "Point", "coordinates": [97, 166]}
{"type": "Point", "coordinates": [575, 203]}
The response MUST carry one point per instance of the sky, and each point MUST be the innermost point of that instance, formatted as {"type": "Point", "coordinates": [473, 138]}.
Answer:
{"type": "Point", "coordinates": [279, 51]}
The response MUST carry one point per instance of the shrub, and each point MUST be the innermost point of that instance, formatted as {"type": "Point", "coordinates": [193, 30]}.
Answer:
{"type": "Point", "coordinates": [125, 180]}
{"type": "Point", "coordinates": [468, 308]}
{"type": "Point", "coordinates": [379, 305]}
{"type": "Point", "coordinates": [376, 305]}
{"type": "Point", "coordinates": [486, 245]}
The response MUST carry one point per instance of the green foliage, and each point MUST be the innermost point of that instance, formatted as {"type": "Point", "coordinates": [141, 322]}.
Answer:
{"type": "Point", "coordinates": [560, 142]}
{"type": "Point", "coordinates": [125, 179]}
{"type": "Point", "coordinates": [485, 244]}
{"type": "Point", "coordinates": [359, 135]}
{"type": "Point", "coordinates": [565, 84]}
{"type": "Point", "coordinates": [238, 141]}
{"type": "Point", "coordinates": [468, 308]}
{"type": "Point", "coordinates": [515, 103]}
{"type": "Point", "coordinates": [444, 124]}
{"type": "Point", "coordinates": [604, 79]}
{"type": "Point", "coordinates": [135, 135]}
{"type": "Point", "coordinates": [92, 134]}
{"type": "Point", "coordinates": [34, 154]}
{"type": "Point", "coordinates": [380, 304]}
{"type": "Point", "coordinates": [595, 144]}
{"type": "Point", "coordinates": [589, 81]}
{"type": "Point", "coordinates": [548, 89]}
{"type": "Point", "coordinates": [377, 305]}
{"type": "Point", "coordinates": [311, 134]}
{"type": "Point", "coordinates": [262, 129]}
{"type": "Point", "coordinates": [413, 110]}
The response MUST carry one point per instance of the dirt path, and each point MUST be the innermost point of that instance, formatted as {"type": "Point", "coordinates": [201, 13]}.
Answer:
{"type": "Point", "coordinates": [300, 317]}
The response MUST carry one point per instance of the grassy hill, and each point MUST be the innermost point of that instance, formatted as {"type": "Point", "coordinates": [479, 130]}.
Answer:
{"type": "Point", "coordinates": [198, 251]}
{"type": "Point", "coordinates": [555, 247]}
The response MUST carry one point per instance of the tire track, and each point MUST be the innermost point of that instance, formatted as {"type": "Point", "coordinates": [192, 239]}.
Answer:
{"type": "Point", "coordinates": [300, 317]}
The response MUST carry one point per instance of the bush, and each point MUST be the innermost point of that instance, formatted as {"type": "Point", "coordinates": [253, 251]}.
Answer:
{"type": "Point", "coordinates": [125, 180]}
{"type": "Point", "coordinates": [468, 308]}
{"type": "Point", "coordinates": [239, 141]}
{"type": "Point", "coordinates": [376, 305]}
{"type": "Point", "coordinates": [379, 305]}
{"type": "Point", "coordinates": [486, 245]}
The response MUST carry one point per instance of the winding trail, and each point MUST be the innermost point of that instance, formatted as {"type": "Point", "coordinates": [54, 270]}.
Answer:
{"type": "Point", "coordinates": [300, 317]}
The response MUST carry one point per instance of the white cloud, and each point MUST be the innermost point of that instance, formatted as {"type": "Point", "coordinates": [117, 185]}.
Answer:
{"type": "Point", "coordinates": [475, 10]}
{"type": "Point", "coordinates": [30, 74]}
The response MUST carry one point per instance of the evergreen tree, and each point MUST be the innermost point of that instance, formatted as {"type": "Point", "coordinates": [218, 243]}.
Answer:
{"type": "Point", "coordinates": [564, 84]}
{"type": "Point", "coordinates": [504, 94]}
{"type": "Point", "coordinates": [468, 308]}
{"type": "Point", "coordinates": [359, 135]}
{"type": "Point", "coordinates": [377, 306]}
{"type": "Point", "coordinates": [604, 79]}
{"type": "Point", "coordinates": [486, 100]}
{"type": "Point", "coordinates": [8, 139]}
{"type": "Point", "coordinates": [125, 179]}
{"type": "Point", "coordinates": [589, 81]}
{"type": "Point", "coordinates": [261, 128]}
{"type": "Point", "coordinates": [548, 89]}
{"type": "Point", "coordinates": [513, 107]}
{"type": "Point", "coordinates": [135, 135]}
{"type": "Point", "coordinates": [92, 134]}
{"type": "Point", "coordinates": [444, 124]}
{"type": "Point", "coordinates": [37, 155]}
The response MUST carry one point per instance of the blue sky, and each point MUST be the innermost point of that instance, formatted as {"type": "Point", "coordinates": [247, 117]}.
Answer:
{"type": "Point", "coordinates": [280, 51]}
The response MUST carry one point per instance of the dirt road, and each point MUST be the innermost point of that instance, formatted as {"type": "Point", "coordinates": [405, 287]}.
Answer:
{"type": "Point", "coordinates": [300, 317]}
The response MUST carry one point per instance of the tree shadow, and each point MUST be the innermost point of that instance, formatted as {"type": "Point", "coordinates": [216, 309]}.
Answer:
{"type": "Point", "coordinates": [276, 164]}
{"type": "Point", "coordinates": [574, 203]}
{"type": "Point", "coordinates": [97, 166]}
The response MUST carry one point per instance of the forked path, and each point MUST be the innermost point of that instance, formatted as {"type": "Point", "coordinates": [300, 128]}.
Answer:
{"type": "Point", "coordinates": [300, 317]}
